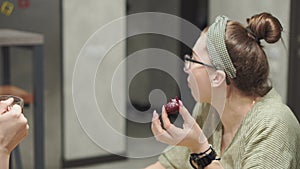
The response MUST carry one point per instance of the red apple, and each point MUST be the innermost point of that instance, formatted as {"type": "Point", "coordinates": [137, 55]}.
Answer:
{"type": "Point", "coordinates": [172, 107]}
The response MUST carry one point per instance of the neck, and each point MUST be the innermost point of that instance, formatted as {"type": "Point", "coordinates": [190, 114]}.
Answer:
{"type": "Point", "coordinates": [236, 108]}
{"type": "Point", "coordinates": [232, 109]}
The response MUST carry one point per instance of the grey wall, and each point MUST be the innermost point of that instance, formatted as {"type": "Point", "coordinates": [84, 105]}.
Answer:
{"type": "Point", "coordinates": [42, 16]}
{"type": "Point", "coordinates": [82, 20]}
{"type": "Point", "coordinates": [278, 57]}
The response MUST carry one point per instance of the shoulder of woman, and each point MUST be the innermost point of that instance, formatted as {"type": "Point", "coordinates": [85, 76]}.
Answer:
{"type": "Point", "coordinates": [273, 111]}
{"type": "Point", "coordinates": [271, 108]}
{"type": "Point", "coordinates": [272, 120]}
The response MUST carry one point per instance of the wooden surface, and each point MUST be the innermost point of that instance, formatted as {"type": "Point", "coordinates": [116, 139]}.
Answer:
{"type": "Point", "coordinates": [10, 37]}
{"type": "Point", "coordinates": [13, 90]}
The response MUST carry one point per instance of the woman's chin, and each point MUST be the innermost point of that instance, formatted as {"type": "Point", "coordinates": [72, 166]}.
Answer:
{"type": "Point", "coordinates": [196, 97]}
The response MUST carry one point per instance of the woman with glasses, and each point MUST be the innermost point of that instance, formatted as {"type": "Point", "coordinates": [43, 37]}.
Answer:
{"type": "Point", "coordinates": [242, 122]}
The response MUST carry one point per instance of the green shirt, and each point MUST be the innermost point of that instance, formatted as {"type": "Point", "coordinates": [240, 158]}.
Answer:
{"type": "Point", "coordinates": [268, 138]}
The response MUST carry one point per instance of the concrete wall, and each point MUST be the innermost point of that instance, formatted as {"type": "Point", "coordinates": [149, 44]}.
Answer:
{"type": "Point", "coordinates": [81, 21]}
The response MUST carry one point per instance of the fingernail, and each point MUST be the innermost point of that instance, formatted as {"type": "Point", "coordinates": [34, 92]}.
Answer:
{"type": "Point", "coordinates": [16, 106]}
{"type": "Point", "coordinates": [155, 115]}
{"type": "Point", "coordinates": [180, 103]}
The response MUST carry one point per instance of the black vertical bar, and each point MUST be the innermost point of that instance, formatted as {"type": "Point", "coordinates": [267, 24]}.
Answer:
{"type": "Point", "coordinates": [6, 65]}
{"type": "Point", "coordinates": [10, 162]}
{"type": "Point", "coordinates": [294, 60]}
{"type": "Point", "coordinates": [38, 85]}
{"type": "Point", "coordinates": [196, 12]}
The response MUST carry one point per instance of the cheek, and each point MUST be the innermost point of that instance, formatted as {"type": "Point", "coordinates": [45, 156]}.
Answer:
{"type": "Point", "coordinates": [200, 86]}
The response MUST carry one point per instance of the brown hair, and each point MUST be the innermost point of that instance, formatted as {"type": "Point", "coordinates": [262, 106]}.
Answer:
{"type": "Point", "coordinates": [247, 55]}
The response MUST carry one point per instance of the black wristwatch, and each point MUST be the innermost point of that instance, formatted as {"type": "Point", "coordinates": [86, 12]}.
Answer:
{"type": "Point", "coordinates": [203, 159]}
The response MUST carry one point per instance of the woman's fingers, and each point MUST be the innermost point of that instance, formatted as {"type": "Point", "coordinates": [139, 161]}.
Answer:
{"type": "Point", "coordinates": [4, 105]}
{"type": "Point", "coordinates": [156, 125]}
{"type": "Point", "coordinates": [186, 116]}
{"type": "Point", "coordinates": [159, 133]}
{"type": "Point", "coordinates": [170, 128]}
{"type": "Point", "coordinates": [16, 110]}
{"type": "Point", "coordinates": [172, 135]}
{"type": "Point", "coordinates": [165, 119]}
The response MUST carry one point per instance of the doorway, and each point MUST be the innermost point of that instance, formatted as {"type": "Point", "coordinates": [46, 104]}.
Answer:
{"type": "Point", "coordinates": [149, 80]}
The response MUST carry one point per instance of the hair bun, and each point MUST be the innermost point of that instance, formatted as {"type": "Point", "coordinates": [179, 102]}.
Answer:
{"type": "Point", "coordinates": [265, 26]}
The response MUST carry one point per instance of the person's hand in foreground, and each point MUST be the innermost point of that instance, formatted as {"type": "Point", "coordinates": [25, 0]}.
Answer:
{"type": "Point", "coordinates": [13, 129]}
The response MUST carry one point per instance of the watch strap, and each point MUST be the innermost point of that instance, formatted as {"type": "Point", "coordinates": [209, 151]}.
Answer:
{"type": "Point", "coordinates": [202, 159]}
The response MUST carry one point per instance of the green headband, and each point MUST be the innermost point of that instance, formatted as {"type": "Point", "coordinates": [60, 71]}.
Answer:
{"type": "Point", "coordinates": [216, 47]}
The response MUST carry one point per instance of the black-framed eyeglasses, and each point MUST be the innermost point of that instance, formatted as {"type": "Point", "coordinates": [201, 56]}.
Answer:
{"type": "Point", "coordinates": [187, 65]}
{"type": "Point", "coordinates": [188, 59]}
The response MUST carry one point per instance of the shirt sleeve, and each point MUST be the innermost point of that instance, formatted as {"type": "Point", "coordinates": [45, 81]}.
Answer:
{"type": "Point", "coordinates": [176, 157]}
{"type": "Point", "coordinates": [271, 143]}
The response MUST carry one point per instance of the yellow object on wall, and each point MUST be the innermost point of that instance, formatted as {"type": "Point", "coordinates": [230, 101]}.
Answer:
{"type": "Point", "coordinates": [7, 8]}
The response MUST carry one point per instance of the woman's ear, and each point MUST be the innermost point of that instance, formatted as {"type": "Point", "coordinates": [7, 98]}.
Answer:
{"type": "Point", "coordinates": [218, 78]}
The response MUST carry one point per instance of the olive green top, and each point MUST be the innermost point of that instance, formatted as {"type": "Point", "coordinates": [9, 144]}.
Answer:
{"type": "Point", "coordinates": [268, 138]}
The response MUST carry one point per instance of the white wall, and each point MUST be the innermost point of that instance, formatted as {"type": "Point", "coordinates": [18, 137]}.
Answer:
{"type": "Point", "coordinates": [240, 10]}
{"type": "Point", "coordinates": [81, 19]}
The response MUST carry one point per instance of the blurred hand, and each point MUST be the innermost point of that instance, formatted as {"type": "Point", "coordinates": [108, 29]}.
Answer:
{"type": "Point", "coordinates": [190, 135]}
{"type": "Point", "coordinates": [13, 126]}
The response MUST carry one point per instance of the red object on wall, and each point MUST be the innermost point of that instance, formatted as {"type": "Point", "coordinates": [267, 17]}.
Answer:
{"type": "Point", "coordinates": [24, 3]}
